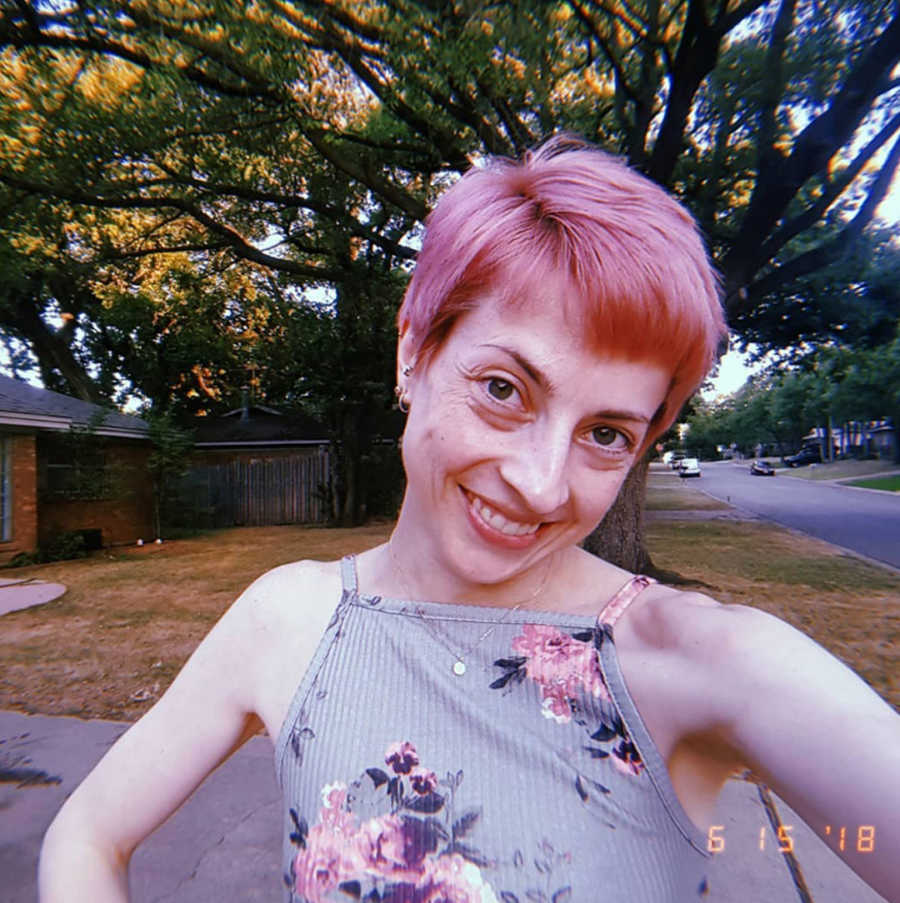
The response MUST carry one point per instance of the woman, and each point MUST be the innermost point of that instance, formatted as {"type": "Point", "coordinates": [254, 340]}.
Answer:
{"type": "Point", "coordinates": [478, 710]}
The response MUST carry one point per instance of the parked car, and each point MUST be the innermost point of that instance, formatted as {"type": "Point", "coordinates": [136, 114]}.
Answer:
{"type": "Point", "coordinates": [676, 459]}
{"type": "Point", "coordinates": [762, 469]}
{"type": "Point", "coordinates": [809, 454]}
{"type": "Point", "coordinates": [689, 467]}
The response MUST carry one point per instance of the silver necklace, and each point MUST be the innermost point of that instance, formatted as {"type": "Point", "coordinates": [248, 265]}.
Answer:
{"type": "Point", "coordinates": [459, 663]}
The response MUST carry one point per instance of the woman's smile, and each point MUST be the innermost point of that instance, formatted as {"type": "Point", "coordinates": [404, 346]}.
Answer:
{"type": "Point", "coordinates": [495, 527]}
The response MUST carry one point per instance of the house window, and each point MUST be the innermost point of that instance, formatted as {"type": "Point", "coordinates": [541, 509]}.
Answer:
{"type": "Point", "coordinates": [74, 468]}
{"type": "Point", "coordinates": [5, 490]}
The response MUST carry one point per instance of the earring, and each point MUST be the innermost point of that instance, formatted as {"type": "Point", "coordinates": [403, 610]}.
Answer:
{"type": "Point", "coordinates": [402, 399]}
{"type": "Point", "coordinates": [402, 394]}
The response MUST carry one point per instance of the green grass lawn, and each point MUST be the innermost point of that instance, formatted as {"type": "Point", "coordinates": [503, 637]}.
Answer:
{"type": "Point", "coordinates": [891, 484]}
{"type": "Point", "coordinates": [840, 470]}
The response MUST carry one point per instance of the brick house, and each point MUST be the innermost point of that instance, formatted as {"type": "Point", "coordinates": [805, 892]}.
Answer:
{"type": "Point", "coordinates": [69, 466]}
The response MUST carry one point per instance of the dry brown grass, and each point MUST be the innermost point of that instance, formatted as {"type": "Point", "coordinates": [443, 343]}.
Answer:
{"type": "Point", "coordinates": [130, 618]}
{"type": "Point", "coordinates": [849, 606]}
{"type": "Point", "coordinates": [667, 492]}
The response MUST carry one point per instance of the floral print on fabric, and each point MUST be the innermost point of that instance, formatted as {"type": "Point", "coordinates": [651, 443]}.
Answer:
{"type": "Point", "coordinates": [390, 837]}
{"type": "Point", "coordinates": [566, 668]}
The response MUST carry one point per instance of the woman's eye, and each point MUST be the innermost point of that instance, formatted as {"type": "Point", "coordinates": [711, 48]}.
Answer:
{"type": "Point", "coordinates": [608, 437]}
{"type": "Point", "coordinates": [500, 389]}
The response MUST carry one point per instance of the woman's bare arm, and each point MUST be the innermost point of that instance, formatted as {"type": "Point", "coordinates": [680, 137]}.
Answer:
{"type": "Point", "coordinates": [813, 730]}
{"type": "Point", "coordinates": [206, 714]}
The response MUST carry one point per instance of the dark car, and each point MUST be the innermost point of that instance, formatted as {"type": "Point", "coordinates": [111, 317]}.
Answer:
{"type": "Point", "coordinates": [809, 454]}
{"type": "Point", "coordinates": [762, 469]}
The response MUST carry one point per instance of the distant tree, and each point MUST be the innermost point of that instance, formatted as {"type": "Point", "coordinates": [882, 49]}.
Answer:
{"type": "Point", "coordinates": [707, 429]}
{"type": "Point", "coordinates": [172, 446]}
{"type": "Point", "coordinates": [870, 388]}
{"type": "Point", "coordinates": [791, 412]}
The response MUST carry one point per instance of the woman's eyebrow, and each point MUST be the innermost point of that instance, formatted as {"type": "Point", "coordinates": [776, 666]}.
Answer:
{"type": "Point", "coordinates": [540, 378]}
{"type": "Point", "coordinates": [624, 415]}
{"type": "Point", "coordinates": [547, 385]}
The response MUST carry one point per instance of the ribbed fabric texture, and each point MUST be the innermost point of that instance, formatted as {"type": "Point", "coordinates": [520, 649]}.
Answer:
{"type": "Point", "coordinates": [531, 777]}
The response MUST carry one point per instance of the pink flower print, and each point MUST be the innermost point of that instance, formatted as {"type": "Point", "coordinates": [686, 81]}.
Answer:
{"type": "Point", "coordinates": [561, 665]}
{"type": "Point", "coordinates": [318, 871]}
{"type": "Point", "coordinates": [422, 780]}
{"type": "Point", "coordinates": [556, 705]}
{"type": "Point", "coordinates": [334, 812]}
{"type": "Point", "coordinates": [399, 854]}
{"type": "Point", "coordinates": [452, 879]}
{"type": "Point", "coordinates": [382, 847]}
{"type": "Point", "coordinates": [329, 858]}
{"type": "Point", "coordinates": [402, 757]}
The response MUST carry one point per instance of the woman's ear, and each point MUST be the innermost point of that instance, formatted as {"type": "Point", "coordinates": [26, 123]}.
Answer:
{"type": "Point", "coordinates": [406, 354]}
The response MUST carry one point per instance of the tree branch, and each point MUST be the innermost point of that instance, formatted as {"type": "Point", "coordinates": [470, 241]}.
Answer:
{"type": "Point", "coordinates": [778, 183]}
{"type": "Point", "coordinates": [725, 21]}
{"type": "Point", "coordinates": [594, 33]}
{"type": "Point", "coordinates": [232, 237]}
{"type": "Point", "coordinates": [769, 158]}
{"type": "Point", "coordinates": [834, 189]}
{"type": "Point", "coordinates": [117, 254]}
{"type": "Point", "coordinates": [220, 189]}
{"type": "Point", "coordinates": [22, 38]}
{"type": "Point", "coordinates": [696, 57]}
{"type": "Point", "coordinates": [831, 251]}
{"type": "Point", "coordinates": [365, 175]}
{"type": "Point", "coordinates": [428, 129]}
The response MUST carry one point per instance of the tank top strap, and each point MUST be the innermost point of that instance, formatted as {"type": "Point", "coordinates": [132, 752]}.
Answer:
{"type": "Point", "coordinates": [349, 582]}
{"type": "Point", "coordinates": [617, 605]}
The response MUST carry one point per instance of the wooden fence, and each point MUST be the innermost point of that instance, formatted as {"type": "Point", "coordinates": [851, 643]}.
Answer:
{"type": "Point", "coordinates": [257, 492]}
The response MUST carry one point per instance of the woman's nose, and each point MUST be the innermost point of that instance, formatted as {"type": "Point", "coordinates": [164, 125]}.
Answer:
{"type": "Point", "coordinates": [538, 469]}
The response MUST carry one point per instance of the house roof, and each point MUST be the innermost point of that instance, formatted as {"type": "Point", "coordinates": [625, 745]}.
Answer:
{"type": "Point", "coordinates": [24, 405]}
{"type": "Point", "coordinates": [261, 426]}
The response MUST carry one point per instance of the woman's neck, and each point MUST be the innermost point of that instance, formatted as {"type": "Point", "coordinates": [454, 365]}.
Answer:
{"type": "Point", "coordinates": [403, 568]}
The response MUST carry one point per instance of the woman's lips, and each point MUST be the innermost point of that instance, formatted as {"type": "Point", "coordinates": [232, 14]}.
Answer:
{"type": "Point", "coordinates": [495, 527]}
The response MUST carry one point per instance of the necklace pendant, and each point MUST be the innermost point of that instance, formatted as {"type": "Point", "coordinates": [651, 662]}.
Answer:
{"type": "Point", "coordinates": [459, 668]}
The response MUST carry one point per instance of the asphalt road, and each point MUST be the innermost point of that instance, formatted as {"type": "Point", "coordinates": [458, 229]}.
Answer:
{"type": "Point", "coordinates": [857, 519]}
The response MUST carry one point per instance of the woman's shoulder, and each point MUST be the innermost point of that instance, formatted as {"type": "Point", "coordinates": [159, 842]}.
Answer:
{"type": "Point", "coordinates": [282, 616]}
{"type": "Point", "coordinates": [695, 629]}
{"type": "Point", "coordinates": [293, 590]}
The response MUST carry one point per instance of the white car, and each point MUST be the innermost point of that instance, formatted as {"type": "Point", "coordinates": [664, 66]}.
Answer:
{"type": "Point", "coordinates": [689, 467]}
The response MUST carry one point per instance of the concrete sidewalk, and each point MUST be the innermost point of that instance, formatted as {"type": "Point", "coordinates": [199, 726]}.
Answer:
{"type": "Point", "coordinates": [224, 843]}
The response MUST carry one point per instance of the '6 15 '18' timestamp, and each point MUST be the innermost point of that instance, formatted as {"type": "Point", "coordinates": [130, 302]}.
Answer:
{"type": "Point", "coordinates": [861, 838]}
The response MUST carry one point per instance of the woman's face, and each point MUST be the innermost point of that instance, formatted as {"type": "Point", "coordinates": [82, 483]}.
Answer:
{"type": "Point", "coordinates": [518, 438]}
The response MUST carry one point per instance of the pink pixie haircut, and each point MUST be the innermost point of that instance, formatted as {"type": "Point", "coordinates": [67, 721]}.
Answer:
{"type": "Point", "coordinates": [642, 286]}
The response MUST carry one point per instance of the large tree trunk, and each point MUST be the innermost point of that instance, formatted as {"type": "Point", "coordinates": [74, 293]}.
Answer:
{"type": "Point", "coordinates": [895, 419]}
{"type": "Point", "coordinates": [619, 538]}
{"type": "Point", "coordinates": [349, 464]}
{"type": "Point", "coordinates": [60, 368]}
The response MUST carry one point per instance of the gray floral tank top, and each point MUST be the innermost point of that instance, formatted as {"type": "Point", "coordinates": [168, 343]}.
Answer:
{"type": "Point", "coordinates": [439, 753]}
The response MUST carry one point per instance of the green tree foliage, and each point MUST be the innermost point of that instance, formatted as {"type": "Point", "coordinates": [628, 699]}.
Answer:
{"type": "Point", "coordinates": [773, 410]}
{"type": "Point", "coordinates": [300, 145]}
{"type": "Point", "coordinates": [854, 302]}
{"type": "Point", "coordinates": [832, 387]}
{"type": "Point", "coordinates": [172, 446]}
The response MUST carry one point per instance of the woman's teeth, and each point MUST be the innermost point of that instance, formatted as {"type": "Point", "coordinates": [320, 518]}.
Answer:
{"type": "Point", "coordinates": [499, 522]}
